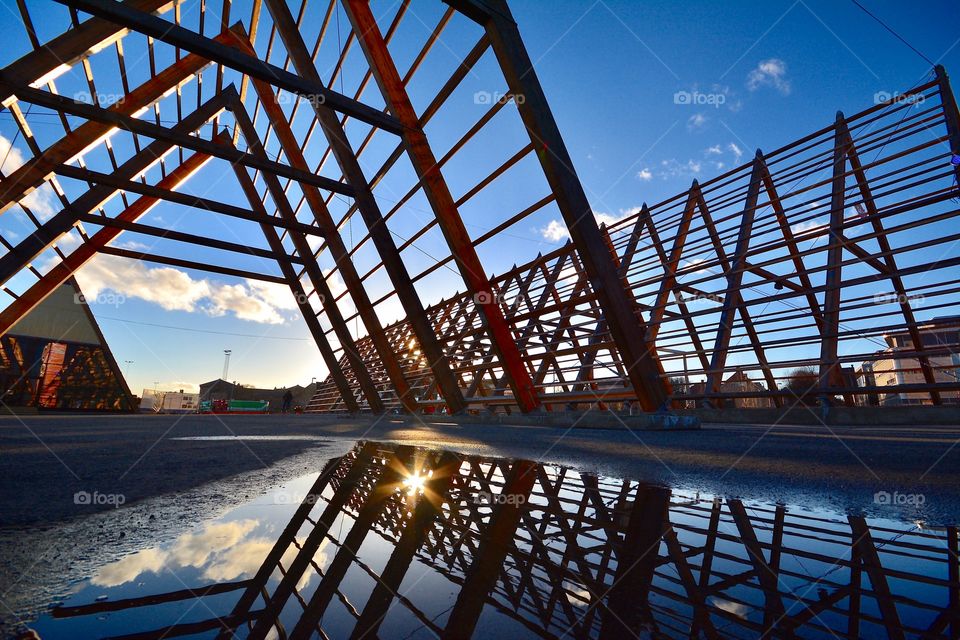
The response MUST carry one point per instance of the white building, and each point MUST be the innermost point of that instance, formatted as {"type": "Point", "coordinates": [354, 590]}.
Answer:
{"type": "Point", "coordinates": [941, 337]}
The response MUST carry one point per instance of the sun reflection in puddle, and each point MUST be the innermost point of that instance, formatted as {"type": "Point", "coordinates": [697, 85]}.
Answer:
{"type": "Point", "coordinates": [490, 547]}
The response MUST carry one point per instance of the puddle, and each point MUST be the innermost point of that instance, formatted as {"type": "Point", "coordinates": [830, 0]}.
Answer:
{"type": "Point", "coordinates": [499, 548]}
{"type": "Point", "coordinates": [246, 438]}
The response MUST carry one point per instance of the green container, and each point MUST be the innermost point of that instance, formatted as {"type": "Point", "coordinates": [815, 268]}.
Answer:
{"type": "Point", "coordinates": [249, 405]}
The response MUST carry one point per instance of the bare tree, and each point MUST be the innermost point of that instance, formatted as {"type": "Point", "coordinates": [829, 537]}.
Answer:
{"type": "Point", "coordinates": [802, 384]}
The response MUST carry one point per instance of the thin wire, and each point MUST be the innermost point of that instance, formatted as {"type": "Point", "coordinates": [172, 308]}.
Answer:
{"type": "Point", "coordinates": [16, 136]}
{"type": "Point", "coordinates": [897, 35]}
{"type": "Point", "coordinates": [219, 333]}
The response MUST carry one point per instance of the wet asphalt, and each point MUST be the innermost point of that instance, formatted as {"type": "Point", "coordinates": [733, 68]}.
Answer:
{"type": "Point", "coordinates": [45, 461]}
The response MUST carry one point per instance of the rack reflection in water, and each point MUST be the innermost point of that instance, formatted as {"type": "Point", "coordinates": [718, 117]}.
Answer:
{"type": "Point", "coordinates": [395, 542]}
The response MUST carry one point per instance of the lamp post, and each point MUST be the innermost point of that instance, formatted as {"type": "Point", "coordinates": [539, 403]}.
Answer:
{"type": "Point", "coordinates": [226, 363]}
{"type": "Point", "coordinates": [686, 371]}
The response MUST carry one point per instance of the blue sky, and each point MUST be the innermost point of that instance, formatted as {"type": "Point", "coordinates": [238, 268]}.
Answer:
{"type": "Point", "coordinates": [762, 73]}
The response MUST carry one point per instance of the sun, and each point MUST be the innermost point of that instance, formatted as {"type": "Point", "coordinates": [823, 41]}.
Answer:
{"type": "Point", "coordinates": [416, 482]}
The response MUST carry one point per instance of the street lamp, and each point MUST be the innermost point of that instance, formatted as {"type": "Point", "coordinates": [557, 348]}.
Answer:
{"type": "Point", "coordinates": [686, 371]}
{"type": "Point", "coordinates": [226, 363]}
{"type": "Point", "coordinates": [128, 363]}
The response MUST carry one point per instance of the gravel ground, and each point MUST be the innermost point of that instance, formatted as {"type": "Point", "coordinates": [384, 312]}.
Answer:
{"type": "Point", "coordinates": [168, 484]}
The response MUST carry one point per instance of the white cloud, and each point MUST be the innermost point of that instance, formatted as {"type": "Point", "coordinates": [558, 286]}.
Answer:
{"type": "Point", "coordinates": [41, 200]}
{"type": "Point", "coordinates": [132, 245]}
{"type": "Point", "coordinates": [696, 122]}
{"type": "Point", "coordinates": [555, 231]}
{"type": "Point", "coordinates": [735, 608]}
{"type": "Point", "coordinates": [188, 387]}
{"type": "Point", "coordinates": [244, 303]}
{"type": "Point", "coordinates": [645, 174]}
{"type": "Point", "coordinates": [694, 262]}
{"type": "Point", "coordinates": [127, 569]}
{"type": "Point", "coordinates": [808, 226]}
{"type": "Point", "coordinates": [194, 549]}
{"type": "Point", "coordinates": [176, 290]}
{"type": "Point", "coordinates": [581, 596]}
{"type": "Point", "coordinates": [736, 151]}
{"type": "Point", "coordinates": [240, 561]}
{"type": "Point", "coordinates": [770, 73]}
{"type": "Point", "coordinates": [715, 150]}
{"type": "Point", "coordinates": [224, 550]}
{"type": "Point", "coordinates": [673, 168]}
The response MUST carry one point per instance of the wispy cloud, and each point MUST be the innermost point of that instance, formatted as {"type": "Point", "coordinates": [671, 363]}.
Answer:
{"type": "Point", "coordinates": [673, 168]}
{"type": "Point", "coordinates": [696, 122]}
{"type": "Point", "coordinates": [645, 174]}
{"type": "Point", "coordinates": [736, 151]}
{"type": "Point", "coordinates": [770, 73]}
{"type": "Point", "coordinates": [808, 227]}
{"type": "Point", "coordinates": [176, 290]}
{"type": "Point", "coordinates": [556, 230]}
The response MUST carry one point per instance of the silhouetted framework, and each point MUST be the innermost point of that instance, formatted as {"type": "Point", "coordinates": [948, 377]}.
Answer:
{"type": "Point", "coordinates": [807, 257]}
{"type": "Point", "coordinates": [556, 553]}
{"type": "Point", "coordinates": [355, 139]}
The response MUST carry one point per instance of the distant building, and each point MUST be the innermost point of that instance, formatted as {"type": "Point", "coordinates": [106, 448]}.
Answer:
{"type": "Point", "coordinates": [738, 382]}
{"type": "Point", "coordinates": [156, 401]}
{"type": "Point", "coordinates": [222, 390]}
{"type": "Point", "coordinates": [889, 368]}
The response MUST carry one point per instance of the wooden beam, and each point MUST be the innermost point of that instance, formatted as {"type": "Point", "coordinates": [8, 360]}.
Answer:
{"type": "Point", "coordinates": [334, 242]}
{"type": "Point", "coordinates": [190, 264]}
{"type": "Point", "coordinates": [59, 274]}
{"type": "Point", "coordinates": [302, 299]}
{"type": "Point", "coordinates": [34, 244]}
{"type": "Point", "coordinates": [124, 122]}
{"type": "Point", "coordinates": [44, 64]}
{"type": "Point", "coordinates": [441, 202]}
{"type": "Point", "coordinates": [629, 332]}
{"type": "Point", "coordinates": [214, 50]}
{"type": "Point", "coordinates": [494, 546]}
{"type": "Point", "coordinates": [382, 238]}
{"type": "Point", "coordinates": [32, 174]}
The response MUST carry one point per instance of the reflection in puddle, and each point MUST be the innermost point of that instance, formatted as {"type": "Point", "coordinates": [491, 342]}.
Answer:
{"type": "Point", "coordinates": [399, 542]}
{"type": "Point", "coordinates": [246, 437]}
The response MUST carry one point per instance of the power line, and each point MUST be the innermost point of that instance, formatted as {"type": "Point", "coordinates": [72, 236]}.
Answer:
{"type": "Point", "coordinates": [219, 333]}
{"type": "Point", "coordinates": [897, 35]}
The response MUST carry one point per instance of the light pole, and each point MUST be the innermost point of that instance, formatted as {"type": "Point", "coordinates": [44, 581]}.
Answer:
{"type": "Point", "coordinates": [128, 363]}
{"type": "Point", "coordinates": [686, 371]}
{"type": "Point", "coordinates": [226, 363]}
